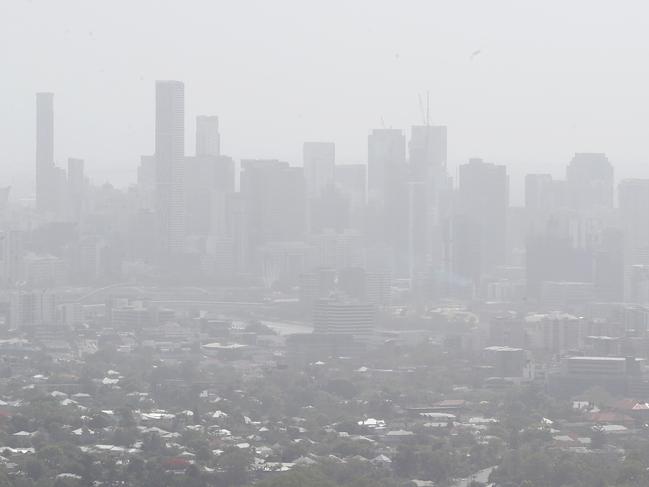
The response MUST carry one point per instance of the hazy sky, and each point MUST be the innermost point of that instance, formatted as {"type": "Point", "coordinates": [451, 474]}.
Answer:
{"type": "Point", "coordinates": [551, 78]}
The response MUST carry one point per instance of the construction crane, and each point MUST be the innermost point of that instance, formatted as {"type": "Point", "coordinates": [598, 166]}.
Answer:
{"type": "Point", "coordinates": [425, 115]}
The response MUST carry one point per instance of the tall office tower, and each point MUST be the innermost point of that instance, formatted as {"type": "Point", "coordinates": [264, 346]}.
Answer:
{"type": "Point", "coordinates": [146, 183]}
{"type": "Point", "coordinates": [589, 177]}
{"type": "Point", "coordinates": [208, 179]}
{"type": "Point", "coordinates": [386, 157]}
{"type": "Point", "coordinates": [275, 199]}
{"type": "Point", "coordinates": [633, 197]}
{"type": "Point", "coordinates": [76, 188]}
{"type": "Point", "coordinates": [552, 258]}
{"type": "Point", "coordinates": [46, 194]}
{"type": "Point", "coordinates": [329, 211]}
{"type": "Point", "coordinates": [427, 149]}
{"type": "Point", "coordinates": [427, 161]}
{"type": "Point", "coordinates": [480, 243]}
{"type": "Point", "coordinates": [545, 199]}
{"type": "Point", "coordinates": [351, 180]}
{"type": "Point", "coordinates": [542, 192]}
{"type": "Point", "coordinates": [236, 213]}
{"type": "Point", "coordinates": [388, 194]}
{"type": "Point", "coordinates": [90, 261]}
{"type": "Point", "coordinates": [419, 232]}
{"type": "Point", "coordinates": [609, 266]}
{"type": "Point", "coordinates": [319, 160]}
{"type": "Point", "coordinates": [170, 159]}
{"type": "Point", "coordinates": [208, 139]}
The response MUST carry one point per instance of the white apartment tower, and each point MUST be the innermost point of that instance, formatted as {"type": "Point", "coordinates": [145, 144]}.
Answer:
{"type": "Point", "coordinates": [170, 159]}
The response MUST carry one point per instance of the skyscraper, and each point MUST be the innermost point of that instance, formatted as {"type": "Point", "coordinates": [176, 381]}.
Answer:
{"type": "Point", "coordinates": [430, 193]}
{"type": "Point", "coordinates": [351, 180]}
{"type": "Point", "coordinates": [590, 182]}
{"type": "Point", "coordinates": [45, 187]}
{"type": "Point", "coordinates": [386, 156]}
{"type": "Point", "coordinates": [76, 183]}
{"type": "Point", "coordinates": [208, 139]}
{"type": "Point", "coordinates": [170, 158]}
{"type": "Point", "coordinates": [388, 194]}
{"type": "Point", "coordinates": [481, 218]}
{"type": "Point", "coordinates": [427, 150]}
{"type": "Point", "coordinates": [275, 203]}
{"type": "Point", "coordinates": [633, 196]}
{"type": "Point", "coordinates": [319, 159]}
{"type": "Point", "coordinates": [208, 179]}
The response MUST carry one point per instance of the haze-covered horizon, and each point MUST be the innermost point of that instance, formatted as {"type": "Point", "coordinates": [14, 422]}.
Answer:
{"type": "Point", "coordinates": [280, 74]}
{"type": "Point", "coordinates": [270, 243]}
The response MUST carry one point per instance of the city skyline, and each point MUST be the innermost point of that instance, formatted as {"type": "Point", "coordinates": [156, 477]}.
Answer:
{"type": "Point", "coordinates": [206, 141]}
{"type": "Point", "coordinates": [563, 94]}
{"type": "Point", "coordinates": [324, 244]}
{"type": "Point", "coordinates": [201, 142]}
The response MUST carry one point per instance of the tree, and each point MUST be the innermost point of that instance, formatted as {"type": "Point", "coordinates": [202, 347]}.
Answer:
{"type": "Point", "coordinates": [34, 469]}
{"type": "Point", "coordinates": [597, 438]}
{"type": "Point", "coordinates": [235, 463]}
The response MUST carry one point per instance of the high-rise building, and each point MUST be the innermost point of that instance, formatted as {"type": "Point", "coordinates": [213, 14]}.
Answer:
{"type": "Point", "coordinates": [275, 203]}
{"type": "Point", "coordinates": [388, 194]}
{"type": "Point", "coordinates": [545, 201]}
{"type": "Point", "coordinates": [427, 150]}
{"type": "Point", "coordinates": [481, 218]}
{"type": "Point", "coordinates": [170, 159]}
{"type": "Point", "coordinates": [319, 160]}
{"type": "Point", "coordinates": [146, 183]}
{"type": "Point", "coordinates": [609, 266]}
{"type": "Point", "coordinates": [208, 179]}
{"type": "Point", "coordinates": [552, 258]}
{"type": "Point", "coordinates": [386, 158]}
{"type": "Point", "coordinates": [208, 139]}
{"type": "Point", "coordinates": [427, 162]}
{"type": "Point", "coordinates": [542, 192]}
{"type": "Point", "coordinates": [419, 228]}
{"type": "Point", "coordinates": [46, 194]}
{"type": "Point", "coordinates": [633, 197]}
{"type": "Point", "coordinates": [75, 188]}
{"type": "Point", "coordinates": [329, 211]}
{"type": "Point", "coordinates": [351, 179]}
{"type": "Point", "coordinates": [590, 182]}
